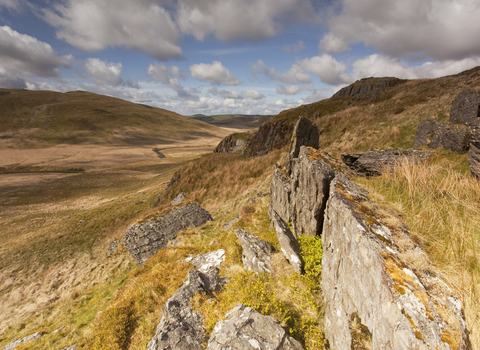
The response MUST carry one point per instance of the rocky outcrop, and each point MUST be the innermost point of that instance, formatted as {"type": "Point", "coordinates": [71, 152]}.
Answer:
{"type": "Point", "coordinates": [273, 134]}
{"type": "Point", "coordinates": [233, 143]}
{"type": "Point", "coordinates": [15, 343]}
{"type": "Point", "coordinates": [301, 198]}
{"type": "Point", "coordinates": [180, 327]}
{"type": "Point", "coordinates": [365, 282]}
{"type": "Point", "coordinates": [256, 252]}
{"type": "Point", "coordinates": [305, 133]}
{"type": "Point", "coordinates": [466, 108]}
{"type": "Point", "coordinates": [374, 163]}
{"type": "Point", "coordinates": [474, 153]}
{"type": "Point", "coordinates": [288, 243]}
{"type": "Point", "coordinates": [368, 87]}
{"type": "Point", "coordinates": [208, 261]}
{"type": "Point", "coordinates": [425, 132]}
{"type": "Point", "coordinates": [455, 138]}
{"type": "Point", "coordinates": [246, 329]}
{"type": "Point", "coordinates": [178, 199]}
{"type": "Point", "coordinates": [147, 236]}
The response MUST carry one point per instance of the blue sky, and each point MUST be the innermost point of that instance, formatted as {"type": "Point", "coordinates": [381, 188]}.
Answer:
{"type": "Point", "coordinates": [230, 56]}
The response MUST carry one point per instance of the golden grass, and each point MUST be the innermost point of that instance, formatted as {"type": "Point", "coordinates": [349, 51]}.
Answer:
{"type": "Point", "coordinates": [440, 204]}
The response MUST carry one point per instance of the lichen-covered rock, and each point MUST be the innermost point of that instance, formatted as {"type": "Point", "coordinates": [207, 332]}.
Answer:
{"type": "Point", "coordinates": [425, 132]}
{"type": "Point", "coordinates": [365, 282]}
{"type": "Point", "coordinates": [233, 143]}
{"type": "Point", "coordinates": [147, 236]}
{"type": "Point", "coordinates": [466, 108]}
{"type": "Point", "coordinates": [474, 153]}
{"type": "Point", "coordinates": [288, 243]}
{"type": "Point", "coordinates": [452, 137]}
{"type": "Point", "coordinates": [256, 252]}
{"type": "Point", "coordinates": [374, 163]}
{"type": "Point", "coordinates": [180, 327]}
{"type": "Point", "coordinates": [31, 337]}
{"type": "Point", "coordinates": [246, 329]}
{"type": "Point", "coordinates": [209, 261]}
{"type": "Point", "coordinates": [305, 133]}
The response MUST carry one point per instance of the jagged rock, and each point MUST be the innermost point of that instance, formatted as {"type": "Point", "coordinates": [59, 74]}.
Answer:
{"type": "Point", "coordinates": [474, 153]}
{"type": "Point", "coordinates": [34, 336]}
{"type": "Point", "coordinates": [256, 252]}
{"type": "Point", "coordinates": [180, 327]}
{"type": "Point", "coordinates": [305, 133]}
{"type": "Point", "coordinates": [152, 233]}
{"type": "Point", "coordinates": [452, 137]}
{"type": "Point", "coordinates": [288, 243]}
{"type": "Point", "coordinates": [374, 163]}
{"type": "Point", "coordinates": [208, 261]}
{"type": "Point", "coordinates": [113, 246]}
{"type": "Point", "coordinates": [178, 199]}
{"type": "Point", "coordinates": [367, 86]}
{"type": "Point", "coordinates": [351, 158]}
{"type": "Point", "coordinates": [271, 135]}
{"type": "Point", "coordinates": [229, 225]}
{"type": "Point", "coordinates": [245, 328]}
{"type": "Point", "coordinates": [301, 199]}
{"type": "Point", "coordinates": [233, 143]}
{"type": "Point", "coordinates": [365, 282]}
{"type": "Point", "coordinates": [425, 132]}
{"type": "Point", "coordinates": [466, 108]}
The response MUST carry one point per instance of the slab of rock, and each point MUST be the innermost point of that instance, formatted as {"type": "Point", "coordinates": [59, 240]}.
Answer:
{"type": "Point", "coordinates": [178, 199]}
{"type": "Point", "coordinates": [425, 132]}
{"type": "Point", "coordinates": [466, 108]}
{"type": "Point", "coordinates": [246, 329]}
{"type": "Point", "coordinates": [271, 135]}
{"type": "Point", "coordinates": [365, 282]}
{"type": "Point", "coordinates": [288, 243]}
{"type": "Point", "coordinates": [209, 261]}
{"type": "Point", "coordinates": [280, 194]}
{"type": "Point", "coordinates": [229, 225]}
{"type": "Point", "coordinates": [350, 158]}
{"type": "Point", "coordinates": [147, 236]}
{"type": "Point", "coordinates": [15, 343]}
{"type": "Point", "coordinates": [180, 327]}
{"type": "Point", "coordinates": [374, 163]}
{"type": "Point", "coordinates": [256, 252]}
{"type": "Point", "coordinates": [305, 133]}
{"type": "Point", "coordinates": [474, 153]}
{"type": "Point", "coordinates": [454, 138]}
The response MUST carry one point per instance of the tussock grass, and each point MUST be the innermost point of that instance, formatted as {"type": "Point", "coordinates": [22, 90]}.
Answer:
{"type": "Point", "coordinates": [441, 205]}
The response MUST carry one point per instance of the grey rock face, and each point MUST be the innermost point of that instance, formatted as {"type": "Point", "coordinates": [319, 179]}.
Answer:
{"type": "Point", "coordinates": [180, 327]}
{"type": "Point", "coordinates": [245, 329]}
{"type": "Point", "coordinates": [425, 132]}
{"type": "Point", "coordinates": [305, 133]}
{"type": "Point", "coordinates": [367, 86]}
{"type": "Point", "coordinates": [144, 238]}
{"type": "Point", "coordinates": [351, 158]}
{"type": "Point", "coordinates": [271, 135]}
{"type": "Point", "coordinates": [289, 244]}
{"type": "Point", "coordinates": [280, 195]}
{"type": "Point", "coordinates": [233, 143]}
{"type": "Point", "coordinates": [34, 336]}
{"type": "Point", "coordinates": [474, 153]}
{"type": "Point", "coordinates": [374, 163]}
{"type": "Point", "coordinates": [364, 279]}
{"type": "Point", "coordinates": [256, 252]}
{"type": "Point", "coordinates": [466, 108]}
{"type": "Point", "coordinates": [209, 261]}
{"type": "Point", "coordinates": [178, 199]}
{"type": "Point", "coordinates": [453, 138]}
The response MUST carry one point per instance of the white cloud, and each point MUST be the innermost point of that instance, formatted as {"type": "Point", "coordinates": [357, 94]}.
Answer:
{"type": "Point", "coordinates": [332, 44]}
{"type": "Point", "coordinates": [293, 89]}
{"type": "Point", "coordinates": [295, 75]}
{"type": "Point", "coordinates": [297, 47]}
{"type": "Point", "coordinates": [440, 29]}
{"type": "Point", "coordinates": [23, 53]}
{"type": "Point", "coordinates": [317, 95]}
{"type": "Point", "coordinates": [214, 73]}
{"type": "Point", "coordinates": [225, 93]}
{"type": "Point", "coordinates": [104, 73]}
{"type": "Point", "coordinates": [253, 94]}
{"type": "Point", "coordinates": [92, 25]}
{"type": "Point", "coordinates": [327, 68]}
{"type": "Point", "coordinates": [233, 19]}
{"type": "Point", "coordinates": [11, 80]}
{"type": "Point", "coordinates": [169, 76]}
{"type": "Point", "coordinates": [11, 4]}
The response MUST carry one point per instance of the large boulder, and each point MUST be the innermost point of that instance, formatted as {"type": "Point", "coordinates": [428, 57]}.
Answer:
{"type": "Point", "coordinates": [256, 252]}
{"type": "Point", "coordinates": [246, 329]}
{"type": "Point", "coordinates": [273, 134]}
{"type": "Point", "coordinates": [368, 288]}
{"type": "Point", "coordinates": [147, 236]}
{"type": "Point", "coordinates": [288, 243]}
{"type": "Point", "coordinates": [474, 153]}
{"type": "Point", "coordinates": [233, 143]}
{"type": "Point", "coordinates": [425, 132]}
{"type": "Point", "coordinates": [466, 108]}
{"type": "Point", "coordinates": [180, 327]}
{"type": "Point", "coordinates": [455, 138]}
{"type": "Point", "coordinates": [374, 163]}
{"type": "Point", "coordinates": [305, 133]}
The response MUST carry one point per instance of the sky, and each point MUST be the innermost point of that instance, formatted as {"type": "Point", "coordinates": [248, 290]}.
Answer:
{"type": "Point", "coordinates": [230, 56]}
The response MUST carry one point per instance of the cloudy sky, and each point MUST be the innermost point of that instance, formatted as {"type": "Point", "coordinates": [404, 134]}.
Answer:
{"type": "Point", "coordinates": [230, 56]}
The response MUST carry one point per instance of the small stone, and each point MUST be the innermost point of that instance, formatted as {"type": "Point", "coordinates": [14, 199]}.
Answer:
{"type": "Point", "coordinates": [256, 252]}
{"type": "Point", "coordinates": [178, 199]}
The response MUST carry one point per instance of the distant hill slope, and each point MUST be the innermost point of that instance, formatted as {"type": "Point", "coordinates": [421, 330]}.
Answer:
{"type": "Point", "coordinates": [43, 118]}
{"type": "Point", "coordinates": [237, 121]}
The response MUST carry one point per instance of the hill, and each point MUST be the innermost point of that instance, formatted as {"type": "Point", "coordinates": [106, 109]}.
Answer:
{"type": "Point", "coordinates": [234, 121]}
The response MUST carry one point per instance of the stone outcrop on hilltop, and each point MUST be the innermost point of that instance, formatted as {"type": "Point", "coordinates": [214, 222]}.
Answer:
{"type": "Point", "coordinates": [147, 236]}
{"type": "Point", "coordinates": [246, 329]}
{"type": "Point", "coordinates": [368, 87]}
{"type": "Point", "coordinates": [305, 133]}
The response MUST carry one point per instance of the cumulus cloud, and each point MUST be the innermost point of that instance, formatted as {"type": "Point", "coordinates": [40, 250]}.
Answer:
{"type": "Point", "coordinates": [215, 74]}
{"type": "Point", "coordinates": [26, 54]}
{"type": "Point", "coordinates": [225, 93]}
{"type": "Point", "coordinates": [440, 29]}
{"type": "Point", "coordinates": [234, 19]}
{"type": "Point", "coordinates": [295, 75]}
{"type": "Point", "coordinates": [327, 68]}
{"type": "Point", "coordinates": [92, 25]}
{"type": "Point", "coordinates": [253, 94]}
{"type": "Point", "coordinates": [293, 89]}
{"type": "Point", "coordinates": [297, 47]}
{"type": "Point", "coordinates": [11, 80]}
{"type": "Point", "coordinates": [169, 76]}
{"type": "Point", "coordinates": [104, 73]}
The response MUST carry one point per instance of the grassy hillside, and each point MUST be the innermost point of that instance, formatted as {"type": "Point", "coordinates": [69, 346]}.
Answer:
{"type": "Point", "coordinates": [43, 118]}
{"type": "Point", "coordinates": [235, 121]}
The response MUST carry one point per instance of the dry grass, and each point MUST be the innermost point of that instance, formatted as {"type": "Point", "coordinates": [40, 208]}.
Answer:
{"type": "Point", "coordinates": [441, 206]}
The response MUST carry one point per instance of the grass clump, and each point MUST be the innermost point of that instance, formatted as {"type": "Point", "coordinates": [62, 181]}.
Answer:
{"type": "Point", "coordinates": [311, 251]}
